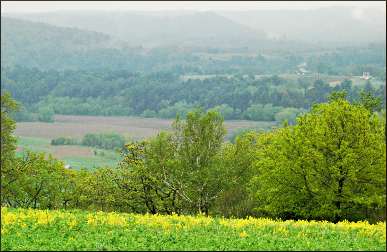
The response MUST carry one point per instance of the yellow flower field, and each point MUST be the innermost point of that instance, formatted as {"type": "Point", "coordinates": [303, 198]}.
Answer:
{"type": "Point", "coordinates": [29, 229]}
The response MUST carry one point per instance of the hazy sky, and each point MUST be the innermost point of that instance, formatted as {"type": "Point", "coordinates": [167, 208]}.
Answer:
{"type": "Point", "coordinates": [42, 6]}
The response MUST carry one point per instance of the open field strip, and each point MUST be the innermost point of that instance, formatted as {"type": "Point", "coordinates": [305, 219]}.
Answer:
{"type": "Point", "coordinates": [130, 127]}
{"type": "Point", "coordinates": [28, 229]}
{"type": "Point", "coordinates": [36, 136]}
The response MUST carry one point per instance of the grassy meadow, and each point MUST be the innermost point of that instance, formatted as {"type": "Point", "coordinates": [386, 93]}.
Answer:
{"type": "Point", "coordinates": [28, 229]}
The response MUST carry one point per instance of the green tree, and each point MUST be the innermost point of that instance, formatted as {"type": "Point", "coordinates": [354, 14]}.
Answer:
{"type": "Point", "coordinates": [331, 165]}
{"type": "Point", "coordinates": [337, 95]}
{"type": "Point", "coordinates": [260, 112]}
{"type": "Point", "coordinates": [8, 144]}
{"type": "Point", "coordinates": [177, 172]}
{"type": "Point", "coordinates": [199, 139]}
{"type": "Point", "coordinates": [238, 167]}
{"type": "Point", "coordinates": [151, 170]}
{"type": "Point", "coordinates": [46, 114]}
{"type": "Point", "coordinates": [288, 114]}
{"type": "Point", "coordinates": [8, 141]}
{"type": "Point", "coordinates": [96, 190]}
{"type": "Point", "coordinates": [225, 110]}
{"type": "Point", "coordinates": [369, 101]}
{"type": "Point", "coordinates": [34, 181]}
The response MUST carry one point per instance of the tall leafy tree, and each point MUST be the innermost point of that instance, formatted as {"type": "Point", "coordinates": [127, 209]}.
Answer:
{"type": "Point", "coordinates": [199, 139]}
{"type": "Point", "coordinates": [369, 101]}
{"type": "Point", "coordinates": [331, 165]}
{"type": "Point", "coordinates": [238, 168]}
{"type": "Point", "coordinates": [8, 141]}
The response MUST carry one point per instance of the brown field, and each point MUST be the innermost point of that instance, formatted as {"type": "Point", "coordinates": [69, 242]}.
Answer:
{"type": "Point", "coordinates": [71, 151]}
{"type": "Point", "coordinates": [133, 127]}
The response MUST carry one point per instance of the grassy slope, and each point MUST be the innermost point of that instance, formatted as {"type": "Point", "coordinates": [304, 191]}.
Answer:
{"type": "Point", "coordinates": [23, 229]}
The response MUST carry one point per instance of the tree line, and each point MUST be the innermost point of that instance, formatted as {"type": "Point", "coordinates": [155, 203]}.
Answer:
{"type": "Point", "coordinates": [107, 141]}
{"type": "Point", "coordinates": [165, 94]}
{"type": "Point", "coordinates": [329, 165]}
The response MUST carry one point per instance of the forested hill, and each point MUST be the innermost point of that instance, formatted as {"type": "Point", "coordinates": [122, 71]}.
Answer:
{"type": "Point", "coordinates": [105, 92]}
{"type": "Point", "coordinates": [73, 71]}
{"type": "Point", "coordinates": [38, 44]}
{"type": "Point", "coordinates": [43, 46]}
{"type": "Point", "coordinates": [138, 29]}
{"type": "Point", "coordinates": [328, 26]}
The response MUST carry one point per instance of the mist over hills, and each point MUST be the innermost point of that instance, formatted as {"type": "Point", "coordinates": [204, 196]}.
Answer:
{"type": "Point", "coordinates": [157, 29]}
{"type": "Point", "coordinates": [179, 40]}
{"type": "Point", "coordinates": [42, 35]}
{"type": "Point", "coordinates": [331, 26]}
{"type": "Point", "coordinates": [38, 44]}
{"type": "Point", "coordinates": [340, 25]}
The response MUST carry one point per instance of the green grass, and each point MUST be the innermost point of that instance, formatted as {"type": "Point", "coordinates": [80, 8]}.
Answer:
{"type": "Point", "coordinates": [34, 143]}
{"type": "Point", "coordinates": [91, 162]}
{"type": "Point", "coordinates": [110, 157]}
{"type": "Point", "coordinates": [23, 229]}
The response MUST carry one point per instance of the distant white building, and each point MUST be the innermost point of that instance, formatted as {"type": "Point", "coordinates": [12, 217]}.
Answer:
{"type": "Point", "coordinates": [67, 166]}
{"type": "Point", "coordinates": [366, 76]}
{"type": "Point", "coordinates": [302, 69]}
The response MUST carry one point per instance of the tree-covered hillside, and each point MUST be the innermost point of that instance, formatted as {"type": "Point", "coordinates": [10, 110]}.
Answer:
{"type": "Point", "coordinates": [42, 45]}
{"type": "Point", "coordinates": [165, 94]}
{"type": "Point", "coordinates": [53, 69]}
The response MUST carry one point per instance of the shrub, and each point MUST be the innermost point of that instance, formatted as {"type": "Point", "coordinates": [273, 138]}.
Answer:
{"type": "Point", "coordinates": [64, 141]}
{"type": "Point", "coordinates": [288, 114]}
{"type": "Point", "coordinates": [104, 141]}
{"type": "Point", "coordinates": [46, 114]}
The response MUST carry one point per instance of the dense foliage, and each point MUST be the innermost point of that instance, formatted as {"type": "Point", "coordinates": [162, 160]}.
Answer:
{"type": "Point", "coordinates": [165, 94]}
{"type": "Point", "coordinates": [109, 141]}
{"type": "Point", "coordinates": [64, 141]}
{"type": "Point", "coordinates": [28, 229]}
{"type": "Point", "coordinates": [330, 165]}
{"type": "Point", "coordinates": [104, 140]}
{"type": "Point", "coordinates": [8, 141]}
{"type": "Point", "coordinates": [88, 73]}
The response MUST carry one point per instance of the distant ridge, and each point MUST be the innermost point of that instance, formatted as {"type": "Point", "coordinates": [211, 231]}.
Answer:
{"type": "Point", "coordinates": [38, 44]}
{"type": "Point", "coordinates": [323, 25]}
{"type": "Point", "coordinates": [137, 29]}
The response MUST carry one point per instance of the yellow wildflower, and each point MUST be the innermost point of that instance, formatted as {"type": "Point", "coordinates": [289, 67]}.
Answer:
{"type": "Point", "coordinates": [243, 234]}
{"type": "Point", "coordinates": [72, 223]}
{"type": "Point", "coordinates": [91, 220]}
{"type": "Point", "coordinates": [115, 219]}
{"type": "Point", "coordinates": [281, 230]}
{"type": "Point", "coordinates": [8, 218]}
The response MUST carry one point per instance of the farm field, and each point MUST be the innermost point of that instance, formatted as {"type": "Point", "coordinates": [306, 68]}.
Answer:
{"type": "Point", "coordinates": [131, 127]}
{"type": "Point", "coordinates": [23, 229]}
{"type": "Point", "coordinates": [74, 155]}
{"type": "Point", "coordinates": [36, 136]}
